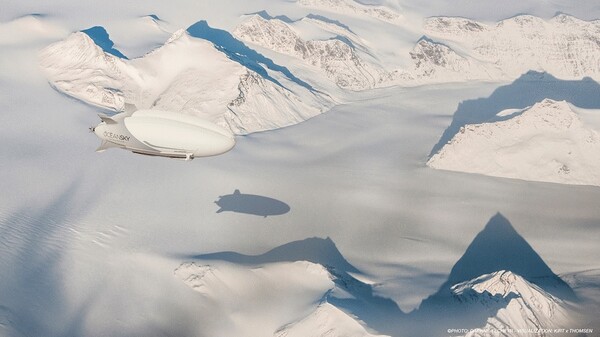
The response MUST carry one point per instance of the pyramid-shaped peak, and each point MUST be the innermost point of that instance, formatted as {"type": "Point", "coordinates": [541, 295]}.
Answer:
{"type": "Point", "coordinates": [500, 247]}
{"type": "Point", "coordinates": [499, 225]}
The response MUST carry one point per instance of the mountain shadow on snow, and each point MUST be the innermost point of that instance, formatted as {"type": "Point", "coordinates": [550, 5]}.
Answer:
{"type": "Point", "coordinates": [377, 312]}
{"type": "Point", "coordinates": [497, 250]}
{"type": "Point", "coordinates": [265, 15]}
{"type": "Point", "coordinates": [101, 38]}
{"type": "Point", "coordinates": [315, 250]}
{"type": "Point", "coordinates": [251, 204]}
{"type": "Point", "coordinates": [524, 92]}
{"type": "Point", "coordinates": [498, 247]}
{"type": "Point", "coordinates": [237, 51]}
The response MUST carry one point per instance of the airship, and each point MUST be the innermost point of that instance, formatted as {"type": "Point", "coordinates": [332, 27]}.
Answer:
{"type": "Point", "coordinates": [162, 133]}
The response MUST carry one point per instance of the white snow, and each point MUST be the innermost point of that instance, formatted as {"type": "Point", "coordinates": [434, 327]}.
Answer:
{"type": "Point", "coordinates": [89, 242]}
{"type": "Point", "coordinates": [547, 142]}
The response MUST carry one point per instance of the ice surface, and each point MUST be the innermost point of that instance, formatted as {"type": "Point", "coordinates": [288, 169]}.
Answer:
{"type": "Point", "coordinates": [89, 242]}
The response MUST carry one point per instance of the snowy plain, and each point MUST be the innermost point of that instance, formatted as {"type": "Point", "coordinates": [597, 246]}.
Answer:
{"type": "Point", "coordinates": [91, 242]}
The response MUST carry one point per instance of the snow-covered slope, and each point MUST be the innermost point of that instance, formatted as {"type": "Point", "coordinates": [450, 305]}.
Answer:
{"type": "Point", "coordinates": [187, 75]}
{"type": "Point", "coordinates": [80, 68]}
{"type": "Point", "coordinates": [288, 298]}
{"type": "Point", "coordinates": [257, 300]}
{"type": "Point", "coordinates": [523, 305]}
{"type": "Point", "coordinates": [284, 289]}
{"type": "Point", "coordinates": [326, 320]}
{"type": "Point", "coordinates": [564, 46]}
{"type": "Point", "coordinates": [336, 56]}
{"type": "Point", "coordinates": [547, 142]}
{"type": "Point", "coordinates": [355, 8]}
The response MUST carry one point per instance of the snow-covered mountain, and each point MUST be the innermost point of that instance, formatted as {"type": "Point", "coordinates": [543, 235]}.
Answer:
{"type": "Point", "coordinates": [451, 50]}
{"type": "Point", "coordinates": [336, 56]}
{"type": "Point", "coordinates": [456, 49]}
{"type": "Point", "coordinates": [499, 285]}
{"type": "Point", "coordinates": [187, 75]}
{"type": "Point", "coordinates": [302, 288]}
{"type": "Point", "coordinates": [513, 305]}
{"type": "Point", "coordinates": [564, 46]}
{"type": "Point", "coordinates": [546, 142]}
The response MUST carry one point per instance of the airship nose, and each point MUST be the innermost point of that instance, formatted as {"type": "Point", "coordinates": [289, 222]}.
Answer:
{"type": "Point", "coordinates": [216, 145]}
{"type": "Point", "coordinates": [227, 143]}
{"type": "Point", "coordinates": [230, 144]}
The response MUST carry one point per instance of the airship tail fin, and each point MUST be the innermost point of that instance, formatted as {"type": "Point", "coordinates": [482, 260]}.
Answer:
{"type": "Point", "coordinates": [129, 108]}
{"type": "Point", "coordinates": [106, 119]}
{"type": "Point", "coordinates": [105, 145]}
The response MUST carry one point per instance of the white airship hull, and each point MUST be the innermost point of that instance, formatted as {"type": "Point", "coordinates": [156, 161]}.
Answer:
{"type": "Point", "coordinates": [163, 133]}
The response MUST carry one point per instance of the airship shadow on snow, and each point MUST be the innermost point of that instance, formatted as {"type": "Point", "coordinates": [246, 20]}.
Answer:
{"type": "Point", "coordinates": [251, 204]}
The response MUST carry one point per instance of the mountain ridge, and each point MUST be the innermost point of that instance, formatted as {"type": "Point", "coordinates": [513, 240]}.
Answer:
{"type": "Point", "coordinates": [174, 77]}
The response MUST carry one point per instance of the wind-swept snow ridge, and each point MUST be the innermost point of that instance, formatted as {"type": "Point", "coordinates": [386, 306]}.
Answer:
{"type": "Point", "coordinates": [547, 142]}
{"type": "Point", "coordinates": [29, 28]}
{"type": "Point", "coordinates": [352, 7]}
{"type": "Point", "coordinates": [564, 46]}
{"type": "Point", "coordinates": [337, 57]}
{"type": "Point", "coordinates": [187, 75]}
